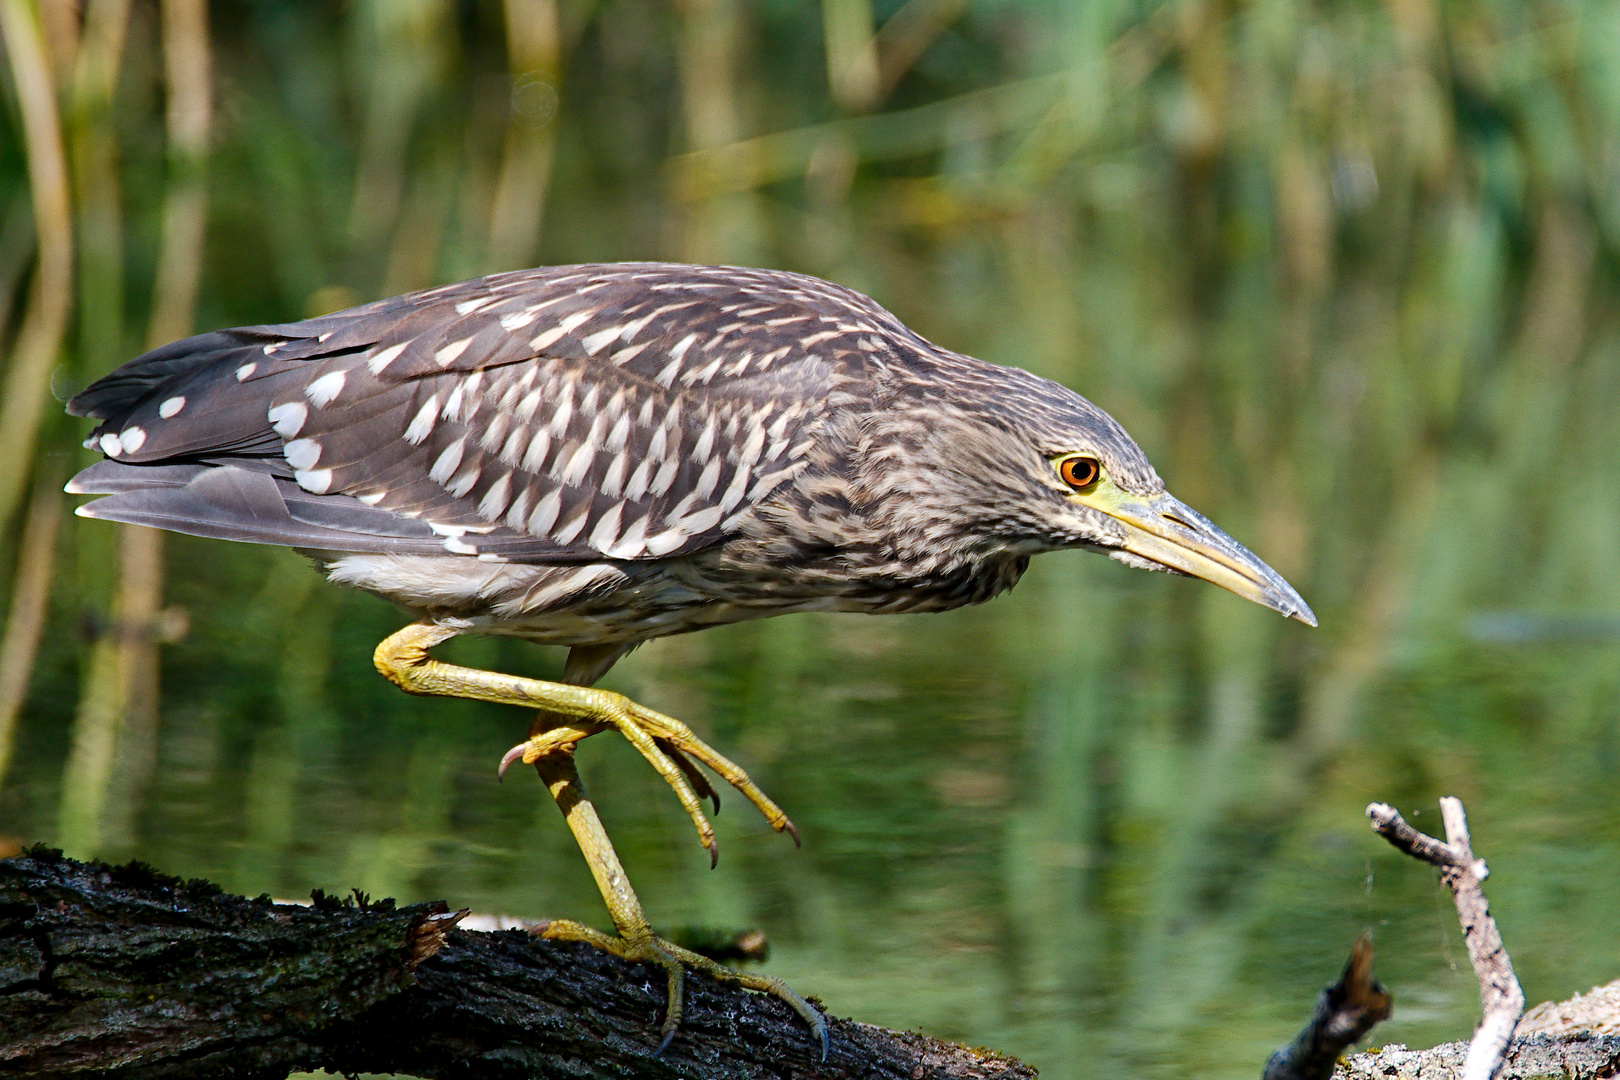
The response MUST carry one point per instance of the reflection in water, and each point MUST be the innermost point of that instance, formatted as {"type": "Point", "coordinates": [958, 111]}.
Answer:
{"type": "Point", "coordinates": [1037, 825]}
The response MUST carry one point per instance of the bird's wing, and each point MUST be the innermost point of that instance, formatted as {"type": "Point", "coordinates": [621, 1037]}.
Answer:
{"type": "Point", "coordinates": [564, 414]}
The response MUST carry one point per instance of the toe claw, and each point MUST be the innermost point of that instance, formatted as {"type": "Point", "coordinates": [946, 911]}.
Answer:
{"type": "Point", "coordinates": [510, 756]}
{"type": "Point", "coordinates": [669, 1034]}
{"type": "Point", "coordinates": [787, 827]}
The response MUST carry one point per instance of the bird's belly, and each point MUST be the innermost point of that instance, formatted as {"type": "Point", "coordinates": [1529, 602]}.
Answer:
{"type": "Point", "coordinates": [622, 602]}
{"type": "Point", "coordinates": [594, 603]}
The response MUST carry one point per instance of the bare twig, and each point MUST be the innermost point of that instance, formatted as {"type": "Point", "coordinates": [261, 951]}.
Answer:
{"type": "Point", "coordinates": [1499, 991]}
{"type": "Point", "coordinates": [1389, 824]}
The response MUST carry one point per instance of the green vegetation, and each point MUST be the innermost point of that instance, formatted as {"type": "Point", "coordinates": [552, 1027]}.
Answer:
{"type": "Point", "coordinates": [1347, 271]}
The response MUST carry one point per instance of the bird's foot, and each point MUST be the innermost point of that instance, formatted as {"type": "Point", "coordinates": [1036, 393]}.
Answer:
{"type": "Point", "coordinates": [670, 747]}
{"type": "Point", "coordinates": [570, 713]}
{"type": "Point", "coordinates": [649, 948]}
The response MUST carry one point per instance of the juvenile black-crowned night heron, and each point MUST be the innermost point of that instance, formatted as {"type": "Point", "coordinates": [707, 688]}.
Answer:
{"type": "Point", "coordinates": [593, 456]}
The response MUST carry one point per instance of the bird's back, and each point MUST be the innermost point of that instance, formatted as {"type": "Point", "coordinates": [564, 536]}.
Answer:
{"type": "Point", "coordinates": [564, 415]}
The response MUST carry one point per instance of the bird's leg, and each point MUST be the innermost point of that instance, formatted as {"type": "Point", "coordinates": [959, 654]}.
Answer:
{"type": "Point", "coordinates": [568, 714]}
{"type": "Point", "coordinates": [636, 941]}
{"type": "Point", "coordinates": [582, 711]}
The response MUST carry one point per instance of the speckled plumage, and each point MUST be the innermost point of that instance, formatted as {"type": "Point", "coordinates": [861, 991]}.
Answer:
{"type": "Point", "coordinates": [593, 455]}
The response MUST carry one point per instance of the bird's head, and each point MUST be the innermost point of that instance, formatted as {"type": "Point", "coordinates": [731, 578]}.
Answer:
{"type": "Point", "coordinates": [1040, 468]}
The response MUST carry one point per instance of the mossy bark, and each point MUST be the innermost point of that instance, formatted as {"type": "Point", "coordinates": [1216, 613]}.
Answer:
{"type": "Point", "coordinates": [122, 971]}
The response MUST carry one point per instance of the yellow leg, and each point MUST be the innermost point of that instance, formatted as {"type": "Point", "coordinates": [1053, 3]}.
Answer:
{"type": "Point", "coordinates": [569, 714]}
{"type": "Point", "coordinates": [636, 941]}
{"type": "Point", "coordinates": [404, 660]}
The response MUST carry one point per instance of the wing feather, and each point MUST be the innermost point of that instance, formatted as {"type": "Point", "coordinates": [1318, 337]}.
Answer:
{"type": "Point", "coordinates": [556, 415]}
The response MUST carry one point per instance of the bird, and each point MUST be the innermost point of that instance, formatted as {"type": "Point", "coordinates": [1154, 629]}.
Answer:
{"type": "Point", "coordinates": [598, 455]}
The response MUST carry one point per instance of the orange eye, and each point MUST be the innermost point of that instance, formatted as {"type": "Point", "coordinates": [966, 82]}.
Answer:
{"type": "Point", "coordinates": [1079, 472]}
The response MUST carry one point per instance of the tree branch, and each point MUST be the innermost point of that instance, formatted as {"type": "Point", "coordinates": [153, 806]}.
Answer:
{"type": "Point", "coordinates": [121, 971]}
{"type": "Point", "coordinates": [1344, 1012]}
{"type": "Point", "coordinates": [1499, 990]}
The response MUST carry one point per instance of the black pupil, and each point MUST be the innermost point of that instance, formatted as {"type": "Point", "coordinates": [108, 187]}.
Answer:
{"type": "Point", "coordinates": [1081, 471]}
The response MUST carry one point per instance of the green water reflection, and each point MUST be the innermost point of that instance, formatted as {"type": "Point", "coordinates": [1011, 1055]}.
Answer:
{"type": "Point", "coordinates": [1026, 825]}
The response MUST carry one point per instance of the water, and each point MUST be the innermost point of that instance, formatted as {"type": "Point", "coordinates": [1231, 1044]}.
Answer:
{"type": "Point", "coordinates": [1037, 825]}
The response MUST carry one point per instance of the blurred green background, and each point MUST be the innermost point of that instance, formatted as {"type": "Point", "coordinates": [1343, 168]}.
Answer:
{"type": "Point", "coordinates": [1347, 270]}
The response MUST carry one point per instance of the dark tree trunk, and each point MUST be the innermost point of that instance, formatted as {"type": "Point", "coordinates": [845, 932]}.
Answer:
{"type": "Point", "coordinates": [121, 971]}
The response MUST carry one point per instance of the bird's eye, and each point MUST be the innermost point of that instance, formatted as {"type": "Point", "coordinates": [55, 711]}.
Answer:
{"type": "Point", "coordinates": [1079, 472]}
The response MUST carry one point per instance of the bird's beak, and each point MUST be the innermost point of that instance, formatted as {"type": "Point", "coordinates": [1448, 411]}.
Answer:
{"type": "Point", "coordinates": [1165, 530]}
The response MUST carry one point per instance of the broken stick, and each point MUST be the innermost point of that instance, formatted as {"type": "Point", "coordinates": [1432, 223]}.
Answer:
{"type": "Point", "coordinates": [1345, 1012]}
{"type": "Point", "coordinates": [1499, 991]}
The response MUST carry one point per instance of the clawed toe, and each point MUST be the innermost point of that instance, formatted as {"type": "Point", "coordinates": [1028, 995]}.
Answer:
{"type": "Point", "coordinates": [671, 748]}
{"type": "Point", "coordinates": [651, 949]}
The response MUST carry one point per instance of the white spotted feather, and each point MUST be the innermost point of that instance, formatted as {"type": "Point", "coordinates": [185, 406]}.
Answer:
{"type": "Point", "coordinates": [624, 412]}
